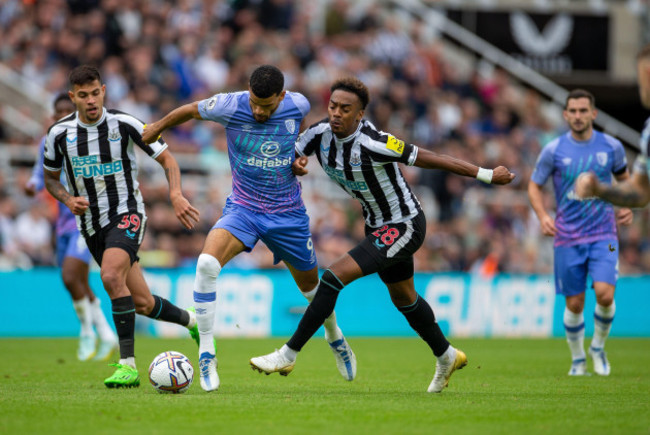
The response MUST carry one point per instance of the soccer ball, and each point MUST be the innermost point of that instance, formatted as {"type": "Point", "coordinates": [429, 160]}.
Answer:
{"type": "Point", "coordinates": [171, 372]}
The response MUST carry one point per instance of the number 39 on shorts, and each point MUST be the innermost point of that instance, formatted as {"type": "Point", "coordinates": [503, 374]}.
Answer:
{"type": "Point", "coordinates": [129, 220]}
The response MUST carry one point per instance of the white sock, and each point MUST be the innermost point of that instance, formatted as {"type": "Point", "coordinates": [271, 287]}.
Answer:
{"type": "Point", "coordinates": [104, 330]}
{"type": "Point", "coordinates": [192, 322]}
{"type": "Point", "coordinates": [574, 326]}
{"type": "Point", "coordinates": [288, 353]}
{"type": "Point", "coordinates": [130, 361]}
{"type": "Point", "coordinates": [82, 308]}
{"type": "Point", "coordinates": [603, 317]}
{"type": "Point", "coordinates": [205, 299]}
{"type": "Point", "coordinates": [332, 330]}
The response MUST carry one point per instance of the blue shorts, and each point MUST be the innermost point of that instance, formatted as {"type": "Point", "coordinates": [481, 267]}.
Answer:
{"type": "Point", "coordinates": [71, 245]}
{"type": "Point", "coordinates": [573, 263]}
{"type": "Point", "coordinates": [286, 234]}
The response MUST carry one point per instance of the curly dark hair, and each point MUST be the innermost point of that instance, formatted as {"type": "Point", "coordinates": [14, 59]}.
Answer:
{"type": "Point", "coordinates": [84, 74]}
{"type": "Point", "coordinates": [355, 86]}
{"type": "Point", "coordinates": [266, 81]}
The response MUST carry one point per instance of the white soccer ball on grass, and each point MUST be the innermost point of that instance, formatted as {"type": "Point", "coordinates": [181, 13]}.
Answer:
{"type": "Point", "coordinates": [171, 372]}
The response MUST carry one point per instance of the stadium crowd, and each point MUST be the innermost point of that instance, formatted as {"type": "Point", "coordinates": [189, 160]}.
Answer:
{"type": "Point", "coordinates": [158, 54]}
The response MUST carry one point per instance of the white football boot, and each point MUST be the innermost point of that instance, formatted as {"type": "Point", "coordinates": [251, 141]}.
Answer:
{"type": "Point", "coordinates": [578, 368]}
{"type": "Point", "coordinates": [208, 371]}
{"type": "Point", "coordinates": [86, 349]}
{"type": "Point", "coordinates": [346, 361]}
{"type": "Point", "coordinates": [273, 362]}
{"type": "Point", "coordinates": [601, 364]}
{"type": "Point", "coordinates": [445, 366]}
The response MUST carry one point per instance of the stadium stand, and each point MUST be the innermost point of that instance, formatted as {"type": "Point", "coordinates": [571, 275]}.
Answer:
{"type": "Point", "coordinates": [155, 55]}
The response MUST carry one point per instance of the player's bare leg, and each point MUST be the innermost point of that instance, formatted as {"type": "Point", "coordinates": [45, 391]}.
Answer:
{"type": "Point", "coordinates": [75, 277]}
{"type": "Point", "coordinates": [115, 267]}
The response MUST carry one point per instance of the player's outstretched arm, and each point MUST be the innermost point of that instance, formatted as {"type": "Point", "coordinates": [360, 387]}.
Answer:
{"type": "Point", "coordinates": [76, 204]}
{"type": "Point", "coordinates": [177, 116]}
{"type": "Point", "coordinates": [633, 192]}
{"type": "Point", "coordinates": [185, 213]}
{"type": "Point", "coordinates": [430, 160]}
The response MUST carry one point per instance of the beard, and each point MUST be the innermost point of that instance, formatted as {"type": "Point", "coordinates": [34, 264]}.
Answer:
{"type": "Point", "coordinates": [583, 127]}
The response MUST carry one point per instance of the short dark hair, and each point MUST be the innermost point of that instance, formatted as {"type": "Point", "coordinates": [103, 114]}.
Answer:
{"type": "Point", "coordinates": [644, 53]}
{"type": "Point", "coordinates": [266, 81]}
{"type": "Point", "coordinates": [84, 74]}
{"type": "Point", "coordinates": [63, 96]}
{"type": "Point", "coordinates": [580, 93]}
{"type": "Point", "coordinates": [355, 86]}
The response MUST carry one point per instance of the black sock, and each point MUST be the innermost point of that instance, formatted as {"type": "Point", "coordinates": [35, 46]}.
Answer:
{"type": "Point", "coordinates": [165, 310]}
{"type": "Point", "coordinates": [124, 319]}
{"type": "Point", "coordinates": [421, 318]}
{"type": "Point", "coordinates": [318, 310]}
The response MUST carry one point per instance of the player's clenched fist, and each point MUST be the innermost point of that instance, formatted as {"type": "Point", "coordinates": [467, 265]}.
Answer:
{"type": "Point", "coordinates": [150, 133]}
{"type": "Point", "coordinates": [77, 205]}
{"type": "Point", "coordinates": [586, 185]}
{"type": "Point", "coordinates": [502, 175]}
{"type": "Point", "coordinates": [299, 166]}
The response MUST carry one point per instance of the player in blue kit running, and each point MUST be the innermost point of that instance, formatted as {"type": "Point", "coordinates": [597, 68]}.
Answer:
{"type": "Point", "coordinates": [586, 241]}
{"type": "Point", "coordinates": [73, 258]}
{"type": "Point", "coordinates": [262, 125]}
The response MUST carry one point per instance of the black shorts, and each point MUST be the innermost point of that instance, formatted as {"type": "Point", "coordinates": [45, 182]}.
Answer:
{"type": "Point", "coordinates": [125, 232]}
{"type": "Point", "coordinates": [389, 250]}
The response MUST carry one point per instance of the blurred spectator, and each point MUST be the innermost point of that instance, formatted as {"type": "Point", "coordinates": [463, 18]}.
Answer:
{"type": "Point", "coordinates": [33, 234]}
{"type": "Point", "coordinates": [157, 55]}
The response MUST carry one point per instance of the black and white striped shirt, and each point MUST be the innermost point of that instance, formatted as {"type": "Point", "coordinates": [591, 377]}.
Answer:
{"type": "Point", "coordinates": [100, 164]}
{"type": "Point", "coordinates": [365, 165]}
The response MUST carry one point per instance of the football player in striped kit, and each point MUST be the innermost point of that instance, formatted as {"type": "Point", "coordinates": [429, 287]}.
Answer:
{"type": "Point", "coordinates": [584, 229]}
{"type": "Point", "coordinates": [94, 147]}
{"type": "Point", "coordinates": [261, 124]}
{"type": "Point", "coordinates": [363, 161]}
{"type": "Point", "coordinates": [73, 258]}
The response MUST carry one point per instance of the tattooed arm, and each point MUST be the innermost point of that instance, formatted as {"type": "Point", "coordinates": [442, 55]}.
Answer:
{"type": "Point", "coordinates": [185, 213]}
{"type": "Point", "coordinates": [76, 204]}
{"type": "Point", "coordinates": [633, 192]}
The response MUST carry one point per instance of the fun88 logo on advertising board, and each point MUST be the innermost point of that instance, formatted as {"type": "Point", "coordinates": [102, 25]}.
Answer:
{"type": "Point", "coordinates": [90, 167]}
{"type": "Point", "coordinates": [269, 151]}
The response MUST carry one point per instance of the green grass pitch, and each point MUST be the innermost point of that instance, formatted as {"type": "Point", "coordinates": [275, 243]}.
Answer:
{"type": "Point", "coordinates": [514, 386]}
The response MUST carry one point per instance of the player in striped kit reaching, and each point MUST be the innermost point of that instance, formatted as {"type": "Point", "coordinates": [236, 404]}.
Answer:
{"type": "Point", "coordinates": [363, 161]}
{"type": "Point", "coordinates": [94, 147]}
